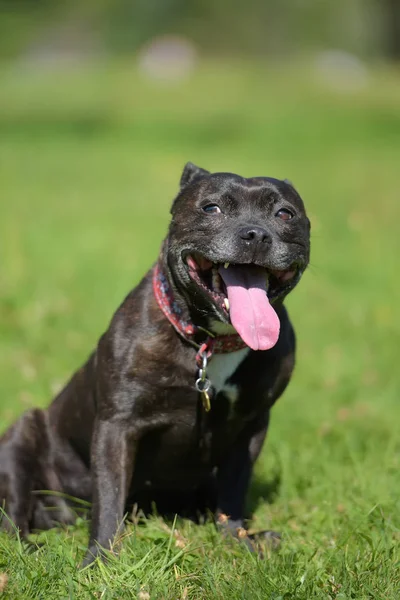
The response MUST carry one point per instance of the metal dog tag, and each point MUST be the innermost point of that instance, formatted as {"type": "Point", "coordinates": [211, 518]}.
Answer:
{"type": "Point", "coordinates": [203, 384]}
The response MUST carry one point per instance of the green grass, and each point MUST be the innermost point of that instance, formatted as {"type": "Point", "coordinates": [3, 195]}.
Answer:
{"type": "Point", "coordinates": [89, 164]}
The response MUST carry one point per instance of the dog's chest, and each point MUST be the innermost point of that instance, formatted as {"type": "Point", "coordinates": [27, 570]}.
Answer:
{"type": "Point", "coordinates": [181, 454]}
{"type": "Point", "coordinates": [221, 368]}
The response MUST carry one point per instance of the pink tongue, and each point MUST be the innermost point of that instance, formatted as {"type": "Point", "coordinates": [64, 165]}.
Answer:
{"type": "Point", "coordinates": [250, 311]}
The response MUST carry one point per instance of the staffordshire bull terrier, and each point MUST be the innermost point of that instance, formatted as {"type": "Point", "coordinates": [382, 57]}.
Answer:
{"type": "Point", "coordinates": [173, 405]}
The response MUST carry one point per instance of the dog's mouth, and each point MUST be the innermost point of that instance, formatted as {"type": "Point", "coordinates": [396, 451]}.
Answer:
{"type": "Point", "coordinates": [243, 292]}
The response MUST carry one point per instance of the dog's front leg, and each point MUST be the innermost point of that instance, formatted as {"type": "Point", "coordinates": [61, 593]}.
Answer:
{"type": "Point", "coordinates": [233, 480]}
{"type": "Point", "coordinates": [113, 453]}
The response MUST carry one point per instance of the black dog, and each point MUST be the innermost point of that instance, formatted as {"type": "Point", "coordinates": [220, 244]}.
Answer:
{"type": "Point", "coordinates": [173, 405]}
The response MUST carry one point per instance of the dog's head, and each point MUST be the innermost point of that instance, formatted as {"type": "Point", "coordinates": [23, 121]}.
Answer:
{"type": "Point", "coordinates": [235, 247]}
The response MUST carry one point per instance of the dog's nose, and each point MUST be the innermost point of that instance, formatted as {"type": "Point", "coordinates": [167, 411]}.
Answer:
{"type": "Point", "coordinates": [255, 234]}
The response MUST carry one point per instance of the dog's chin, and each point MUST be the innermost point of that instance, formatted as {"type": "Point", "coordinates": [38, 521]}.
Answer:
{"type": "Point", "coordinates": [205, 273]}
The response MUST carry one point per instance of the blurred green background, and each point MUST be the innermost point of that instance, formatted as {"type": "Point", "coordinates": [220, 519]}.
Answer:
{"type": "Point", "coordinates": [101, 105]}
{"type": "Point", "coordinates": [257, 27]}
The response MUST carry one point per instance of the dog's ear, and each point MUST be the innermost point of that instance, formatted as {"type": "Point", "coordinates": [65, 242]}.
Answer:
{"type": "Point", "coordinates": [190, 172]}
{"type": "Point", "coordinates": [288, 182]}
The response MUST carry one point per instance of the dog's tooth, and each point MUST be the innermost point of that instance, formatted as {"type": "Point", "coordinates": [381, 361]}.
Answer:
{"type": "Point", "coordinates": [215, 280]}
{"type": "Point", "coordinates": [226, 302]}
{"type": "Point", "coordinates": [226, 265]}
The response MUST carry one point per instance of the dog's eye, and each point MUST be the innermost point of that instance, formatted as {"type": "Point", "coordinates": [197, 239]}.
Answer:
{"type": "Point", "coordinates": [284, 214]}
{"type": "Point", "coordinates": [211, 208]}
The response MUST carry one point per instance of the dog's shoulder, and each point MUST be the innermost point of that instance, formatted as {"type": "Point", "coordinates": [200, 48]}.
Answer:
{"type": "Point", "coordinates": [140, 342]}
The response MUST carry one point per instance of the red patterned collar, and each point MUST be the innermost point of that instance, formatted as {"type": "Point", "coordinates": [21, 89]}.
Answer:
{"type": "Point", "coordinates": [220, 344]}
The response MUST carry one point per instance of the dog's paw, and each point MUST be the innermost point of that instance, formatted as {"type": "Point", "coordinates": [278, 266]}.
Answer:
{"type": "Point", "coordinates": [261, 542]}
{"type": "Point", "coordinates": [270, 539]}
{"type": "Point", "coordinates": [93, 552]}
{"type": "Point", "coordinates": [13, 525]}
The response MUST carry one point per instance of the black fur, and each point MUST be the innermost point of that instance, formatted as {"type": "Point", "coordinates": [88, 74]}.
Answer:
{"type": "Point", "coordinates": [129, 426]}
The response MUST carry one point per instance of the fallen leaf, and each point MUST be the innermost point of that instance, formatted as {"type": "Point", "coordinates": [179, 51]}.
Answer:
{"type": "Point", "coordinates": [3, 581]}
